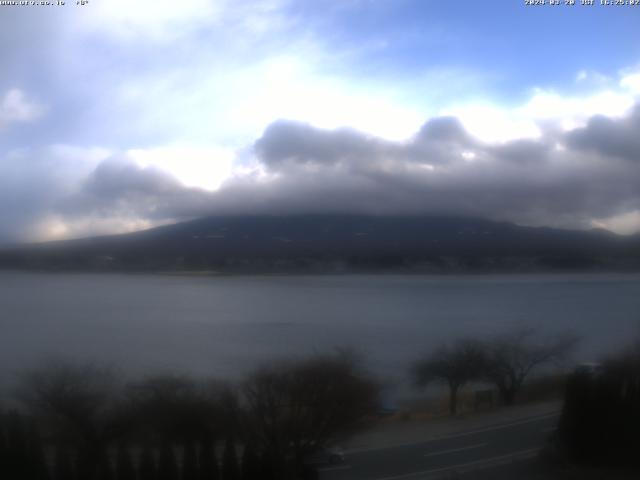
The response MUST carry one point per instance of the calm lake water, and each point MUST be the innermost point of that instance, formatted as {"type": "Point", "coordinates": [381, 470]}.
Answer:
{"type": "Point", "coordinates": [224, 326]}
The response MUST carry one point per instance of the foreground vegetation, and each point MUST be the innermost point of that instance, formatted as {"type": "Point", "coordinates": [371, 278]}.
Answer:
{"type": "Point", "coordinates": [505, 362]}
{"type": "Point", "coordinates": [600, 423]}
{"type": "Point", "coordinates": [80, 422]}
{"type": "Point", "coordinates": [84, 422]}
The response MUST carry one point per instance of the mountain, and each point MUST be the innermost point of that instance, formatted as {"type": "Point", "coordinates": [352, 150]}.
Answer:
{"type": "Point", "coordinates": [330, 243]}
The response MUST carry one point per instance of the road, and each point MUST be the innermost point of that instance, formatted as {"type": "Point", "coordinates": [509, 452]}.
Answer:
{"type": "Point", "coordinates": [485, 447]}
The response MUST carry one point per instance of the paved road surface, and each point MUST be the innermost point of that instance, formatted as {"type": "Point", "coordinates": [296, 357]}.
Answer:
{"type": "Point", "coordinates": [440, 457]}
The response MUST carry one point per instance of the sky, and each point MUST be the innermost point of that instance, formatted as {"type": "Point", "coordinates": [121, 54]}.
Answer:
{"type": "Point", "coordinates": [117, 115]}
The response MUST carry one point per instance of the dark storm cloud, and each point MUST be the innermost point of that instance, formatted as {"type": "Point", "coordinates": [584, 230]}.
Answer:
{"type": "Point", "coordinates": [606, 136]}
{"type": "Point", "coordinates": [32, 181]}
{"type": "Point", "coordinates": [286, 141]}
{"type": "Point", "coordinates": [118, 187]}
{"type": "Point", "coordinates": [441, 140]}
{"type": "Point", "coordinates": [443, 169]}
{"type": "Point", "coordinates": [560, 179]}
{"type": "Point", "coordinates": [564, 179]}
{"type": "Point", "coordinates": [530, 151]}
{"type": "Point", "coordinates": [444, 130]}
{"type": "Point", "coordinates": [117, 177]}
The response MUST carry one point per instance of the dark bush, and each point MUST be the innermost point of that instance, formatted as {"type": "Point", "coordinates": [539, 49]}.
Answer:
{"type": "Point", "coordinates": [63, 464]}
{"type": "Point", "coordinates": [124, 464]}
{"type": "Point", "coordinates": [230, 468]}
{"type": "Point", "coordinates": [190, 462]}
{"type": "Point", "coordinates": [147, 468]}
{"type": "Point", "coordinates": [94, 423]}
{"type": "Point", "coordinates": [167, 465]}
{"type": "Point", "coordinates": [251, 468]}
{"type": "Point", "coordinates": [600, 420]}
{"type": "Point", "coordinates": [208, 462]}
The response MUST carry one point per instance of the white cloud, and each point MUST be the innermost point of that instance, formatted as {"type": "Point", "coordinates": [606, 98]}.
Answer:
{"type": "Point", "coordinates": [581, 76]}
{"type": "Point", "coordinates": [631, 82]}
{"type": "Point", "coordinates": [164, 21]}
{"type": "Point", "coordinates": [15, 107]}
{"type": "Point", "coordinates": [288, 87]}
{"type": "Point", "coordinates": [592, 77]}
{"type": "Point", "coordinates": [233, 107]}
{"type": "Point", "coordinates": [492, 122]}
{"type": "Point", "coordinates": [155, 19]}
{"type": "Point", "coordinates": [202, 167]}
{"type": "Point", "coordinates": [547, 105]}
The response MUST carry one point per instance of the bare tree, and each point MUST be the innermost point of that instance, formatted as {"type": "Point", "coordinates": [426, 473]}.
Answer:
{"type": "Point", "coordinates": [124, 463]}
{"type": "Point", "coordinates": [208, 461]}
{"type": "Point", "coordinates": [189, 462]}
{"type": "Point", "coordinates": [176, 408]}
{"type": "Point", "coordinates": [230, 465]}
{"type": "Point", "coordinates": [454, 365]}
{"type": "Point", "coordinates": [512, 357]}
{"type": "Point", "coordinates": [81, 404]}
{"type": "Point", "coordinates": [21, 449]}
{"type": "Point", "coordinates": [292, 410]}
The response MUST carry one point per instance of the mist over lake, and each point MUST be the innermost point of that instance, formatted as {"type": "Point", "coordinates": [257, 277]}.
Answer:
{"type": "Point", "coordinates": [225, 326]}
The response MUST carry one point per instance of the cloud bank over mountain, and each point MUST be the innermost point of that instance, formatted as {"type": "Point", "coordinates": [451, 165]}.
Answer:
{"type": "Point", "coordinates": [581, 178]}
{"type": "Point", "coordinates": [117, 117]}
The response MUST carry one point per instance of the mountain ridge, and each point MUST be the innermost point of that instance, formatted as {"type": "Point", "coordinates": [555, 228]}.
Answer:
{"type": "Point", "coordinates": [336, 243]}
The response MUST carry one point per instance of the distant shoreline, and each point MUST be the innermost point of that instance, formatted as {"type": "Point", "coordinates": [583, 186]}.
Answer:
{"type": "Point", "coordinates": [301, 273]}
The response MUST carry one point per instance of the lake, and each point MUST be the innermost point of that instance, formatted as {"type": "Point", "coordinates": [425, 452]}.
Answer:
{"type": "Point", "coordinates": [226, 325]}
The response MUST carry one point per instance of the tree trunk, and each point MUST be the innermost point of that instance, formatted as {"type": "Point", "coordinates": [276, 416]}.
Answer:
{"type": "Point", "coordinates": [88, 461]}
{"type": "Point", "coordinates": [453, 399]}
{"type": "Point", "coordinates": [508, 396]}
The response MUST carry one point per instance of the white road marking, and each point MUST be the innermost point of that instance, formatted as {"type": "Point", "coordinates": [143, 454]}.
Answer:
{"type": "Point", "coordinates": [456, 435]}
{"type": "Point", "coordinates": [331, 469]}
{"type": "Point", "coordinates": [454, 450]}
{"type": "Point", "coordinates": [523, 454]}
